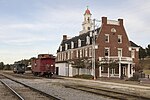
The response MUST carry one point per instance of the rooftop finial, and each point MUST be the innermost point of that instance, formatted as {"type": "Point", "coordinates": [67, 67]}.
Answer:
{"type": "Point", "coordinates": [87, 7]}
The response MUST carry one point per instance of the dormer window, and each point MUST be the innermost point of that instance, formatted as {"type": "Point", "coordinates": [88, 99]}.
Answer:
{"type": "Point", "coordinates": [87, 40]}
{"type": "Point", "coordinates": [79, 43]}
{"type": "Point", "coordinates": [60, 48]}
{"type": "Point", "coordinates": [66, 46]}
{"type": "Point", "coordinates": [72, 44]}
{"type": "Point", "coordinates": [119, 38]}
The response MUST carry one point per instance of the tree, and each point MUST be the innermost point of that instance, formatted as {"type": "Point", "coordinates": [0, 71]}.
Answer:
{"type": "Point", "coordinates": [148, 50]}
{"type": "Point", "coordinates": [7, 67]}
{"type": "Point", "coordinates": [142, 53]}
{"type": "Point", "coordinates": [1, 65]}
{"type": "Point", "coordinates": [78, 63]}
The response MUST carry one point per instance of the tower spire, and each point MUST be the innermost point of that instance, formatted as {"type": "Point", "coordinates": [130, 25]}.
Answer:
{"type": "Point", "coordinates": [87, 23]}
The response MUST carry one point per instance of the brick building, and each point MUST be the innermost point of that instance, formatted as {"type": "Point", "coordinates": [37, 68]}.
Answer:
{"type": "Point", "coordinates": [112, 46]}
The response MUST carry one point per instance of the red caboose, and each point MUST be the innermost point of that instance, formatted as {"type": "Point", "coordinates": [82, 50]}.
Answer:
{"type": "Point", "coordinates": [44, 65]}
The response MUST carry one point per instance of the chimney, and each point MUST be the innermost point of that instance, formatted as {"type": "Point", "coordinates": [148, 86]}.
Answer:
{"type": "Point", "coordinates": [120, 22]}
{"type": "Point", "coordinates": [64, 37]}
{"type": "Point", "coordinates": [104, 20]}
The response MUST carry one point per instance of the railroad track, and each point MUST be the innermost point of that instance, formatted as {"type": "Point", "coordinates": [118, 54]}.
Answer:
{"type": "Point", "coordinates": [22, 91]}
{"type": "Point", "coordinates": [108, 93]}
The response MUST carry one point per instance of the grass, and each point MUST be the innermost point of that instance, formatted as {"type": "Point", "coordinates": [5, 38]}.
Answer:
{"type": "Point", "coordinates": [146, 71]}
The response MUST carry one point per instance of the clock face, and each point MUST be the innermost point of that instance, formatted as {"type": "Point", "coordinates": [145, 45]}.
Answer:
{"type": "Point", "coordinates": [113, 30]}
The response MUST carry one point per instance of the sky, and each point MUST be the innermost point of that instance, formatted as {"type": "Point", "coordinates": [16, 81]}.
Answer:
{"type": "Point", "coordinates": [32, 27]}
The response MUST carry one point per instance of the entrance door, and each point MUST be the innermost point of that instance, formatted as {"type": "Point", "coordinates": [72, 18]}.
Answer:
{"type": "Point", "coordinates": [57, 70]}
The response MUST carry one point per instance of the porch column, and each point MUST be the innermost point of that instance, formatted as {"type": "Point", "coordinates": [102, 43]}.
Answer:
{"type": "Point", "coordinates": [100, 73]}
{"type": "Point", "coordinates": [128, 70]}
{"type": "Point", "coordinates": [132, 71]}
{"type": "Point", "coordinates": [119, 70]}
{"type": "Point", "coordinates": [108, 73]}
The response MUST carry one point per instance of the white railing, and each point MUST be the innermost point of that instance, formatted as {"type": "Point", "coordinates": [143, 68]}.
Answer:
{"type": "Point", "coordinates": [115, 58]}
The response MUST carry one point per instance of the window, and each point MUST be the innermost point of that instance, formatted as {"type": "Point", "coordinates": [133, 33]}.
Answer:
{"type": "Point", "coordinates": [68, 54]}
{"type": "Point", "coordinates": [79, 43]}
{"type": "Point", "coordinates": [87, 40]}
{"type": "Point", "coordinates": [90, 52]}
{"type": "Point", "coordinates": [65, 56]}
{"type": "Point", "coordinates": [132, 53]}
{"type": "Point", "coordinates": [119, 38]}
{"type": "Point", "coordinates": [107, 52]}
{"type": "Point", "coordinates": [107, 38]}
{"type": "Point", "coordinates": [80, 53]}
{"type": "Point", "coordinates": [88, 19]}
{"type": "Point", "coordinates": [71, 54]}
{"type": "Point", "coordinates": [119, 52]}
{"type": "Point", "coordinates": [88, 28]}
{"type": "Point", "coordinates": [86, 52]}
{"type": "Point", "coordinates": [113, 30]}
{"type": "Point", "coordinates": [72, 44]}
{"type": "Point", "coordinates": [102, 68]}
{"type": "Point", "coordinates": [77, 53]}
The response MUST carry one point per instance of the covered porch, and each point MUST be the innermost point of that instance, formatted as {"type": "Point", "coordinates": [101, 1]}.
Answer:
{"type": "Point", "coordinates": [122, 67]}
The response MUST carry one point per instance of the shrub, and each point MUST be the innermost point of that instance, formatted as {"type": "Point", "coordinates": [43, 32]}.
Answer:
{"type": "Point", "coordinates": [84, 76]}
{"type": "Point", "coordinates": [135, 77]}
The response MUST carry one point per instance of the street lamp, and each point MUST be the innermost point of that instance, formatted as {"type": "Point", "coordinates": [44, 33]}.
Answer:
{"type": "Point", "coordinates": [93, 47]}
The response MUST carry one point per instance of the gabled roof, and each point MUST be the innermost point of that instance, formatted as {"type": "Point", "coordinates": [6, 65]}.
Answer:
{"type": "Point", "coordinates": [132, 44]}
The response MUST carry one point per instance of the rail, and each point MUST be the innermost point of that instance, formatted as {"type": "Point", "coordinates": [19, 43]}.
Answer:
{"type": "Point", "coordinates": [12, 90]}
{"type": "Point", "coordinates": [34, 89]}
{"type": "Point", "coordinates": [108, 93]}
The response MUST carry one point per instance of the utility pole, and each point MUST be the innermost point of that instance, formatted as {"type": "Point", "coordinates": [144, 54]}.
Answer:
{"type": "Point", "coordinates": [93, 50]}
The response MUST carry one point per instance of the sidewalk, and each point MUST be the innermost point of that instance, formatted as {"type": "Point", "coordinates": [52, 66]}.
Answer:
{"type": "Point", "coordinates": [115, 82]}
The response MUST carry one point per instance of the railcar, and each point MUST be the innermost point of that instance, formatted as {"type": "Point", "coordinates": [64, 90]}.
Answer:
{"type": "Point", "coordinates": [44, 65]}
{"type": "Point", "coordinates": [19, 68]}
